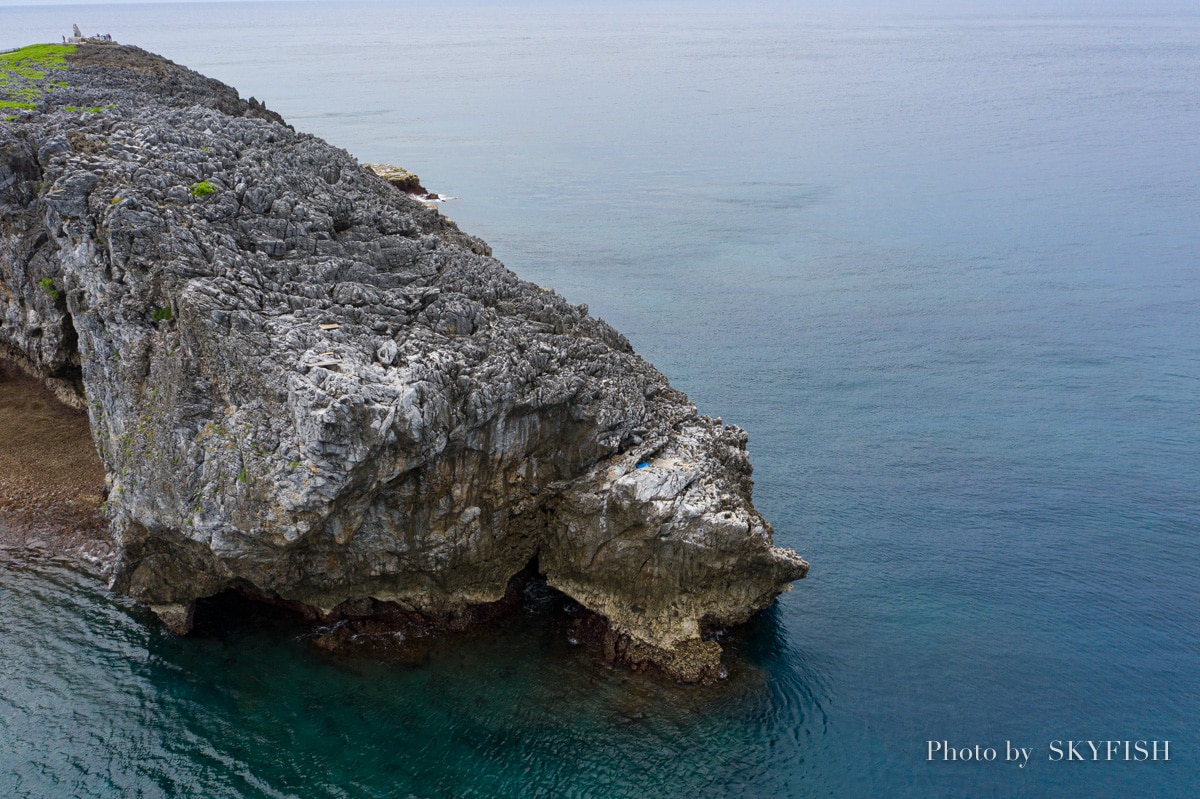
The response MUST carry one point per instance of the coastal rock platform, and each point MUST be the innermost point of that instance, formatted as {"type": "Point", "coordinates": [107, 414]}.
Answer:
{"type": "Point", "coordinates": [309, 387]}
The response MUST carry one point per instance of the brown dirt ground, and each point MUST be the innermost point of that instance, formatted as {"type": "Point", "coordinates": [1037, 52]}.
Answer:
{"type": "Point", "coordinates": [51, 478]}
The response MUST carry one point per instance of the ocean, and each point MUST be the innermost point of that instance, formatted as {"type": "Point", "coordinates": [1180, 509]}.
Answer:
{"type": "Point", "coordinates": [941, 262]}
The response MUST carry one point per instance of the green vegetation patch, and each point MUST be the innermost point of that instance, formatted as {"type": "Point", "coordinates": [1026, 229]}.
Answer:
{"type": "Point", "coordinates": [46, 284]}
{"type": "Point", "coordinates": [203, 189]}
{"type": "Point", "coordinates": [161, 314]}
{"type": "Point", "coordinates": [22, 73]}
{"type": "Point", "coordinates": [33, 61]}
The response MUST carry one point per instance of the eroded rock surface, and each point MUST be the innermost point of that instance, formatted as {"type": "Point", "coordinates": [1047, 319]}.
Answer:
{"type": "Point", "coordinates": [303, 382]}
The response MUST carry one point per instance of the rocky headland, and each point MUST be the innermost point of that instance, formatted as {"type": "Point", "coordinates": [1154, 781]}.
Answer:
{"type": "Point", "coordinates": [307, 386]}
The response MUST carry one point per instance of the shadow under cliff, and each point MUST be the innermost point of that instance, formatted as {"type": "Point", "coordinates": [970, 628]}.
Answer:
{"type": "Point", "coordinates": [532, 624]}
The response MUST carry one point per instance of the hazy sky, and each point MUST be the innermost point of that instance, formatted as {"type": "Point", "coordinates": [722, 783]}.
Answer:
{"type": "Point", "coordinates": [1010, 7]}
{"type": "Point", "coordinates": [110, 2]}
{"type": "Point", "coordinates": [1083, 5]}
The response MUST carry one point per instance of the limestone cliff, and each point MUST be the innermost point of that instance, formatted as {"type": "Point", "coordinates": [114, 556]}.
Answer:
{"type": "Point", "coordinates": [304, 383]}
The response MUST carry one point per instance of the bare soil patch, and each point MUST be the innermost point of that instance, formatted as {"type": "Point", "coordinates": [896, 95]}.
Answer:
{"type": "Point", "coordinates": [51, 478]}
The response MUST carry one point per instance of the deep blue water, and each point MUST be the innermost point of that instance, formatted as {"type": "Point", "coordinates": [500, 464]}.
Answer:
{"type": "Point", "coordinates": [942, 265]}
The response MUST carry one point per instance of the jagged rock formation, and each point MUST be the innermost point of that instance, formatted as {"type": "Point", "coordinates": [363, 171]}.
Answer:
{"type": "Point", "coordinates": [304, 383]}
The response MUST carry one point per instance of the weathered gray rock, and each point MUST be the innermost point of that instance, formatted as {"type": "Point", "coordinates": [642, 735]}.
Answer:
{"type": "Point", "coordinates": [304, 382]}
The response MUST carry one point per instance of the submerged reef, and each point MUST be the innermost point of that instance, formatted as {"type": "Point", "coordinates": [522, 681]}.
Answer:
{"type": "Point", "coordinates": [307, 386]}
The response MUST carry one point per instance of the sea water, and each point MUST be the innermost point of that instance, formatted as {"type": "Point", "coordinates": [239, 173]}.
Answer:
{"type": "Point", "coordinates": [942, 264]}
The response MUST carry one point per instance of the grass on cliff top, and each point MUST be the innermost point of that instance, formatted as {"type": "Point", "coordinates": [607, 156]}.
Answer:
{"type": "Point", "coordinates": [21, 72]}
{"type": "Point", "coordinates": [32, 62]}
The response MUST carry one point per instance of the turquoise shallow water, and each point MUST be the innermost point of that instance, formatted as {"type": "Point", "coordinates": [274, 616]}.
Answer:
{"type": "Point", "coordinates": [941, 265]}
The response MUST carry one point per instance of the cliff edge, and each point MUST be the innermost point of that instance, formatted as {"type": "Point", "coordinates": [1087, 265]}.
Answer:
{"type": "Point", "coordinates": [305, 385]}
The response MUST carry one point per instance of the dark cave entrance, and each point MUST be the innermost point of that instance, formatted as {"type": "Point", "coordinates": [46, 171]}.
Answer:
{"type": "Point", "coordinates": [383, 631]}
